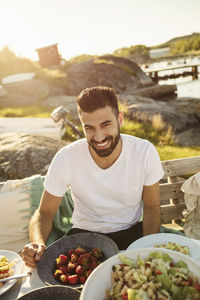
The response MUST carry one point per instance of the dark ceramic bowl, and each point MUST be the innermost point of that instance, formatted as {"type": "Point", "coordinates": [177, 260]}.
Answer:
{"type": "Point", "coordinates": [47, 264]}
{"type": "Point", "coordinates": [56, 292]}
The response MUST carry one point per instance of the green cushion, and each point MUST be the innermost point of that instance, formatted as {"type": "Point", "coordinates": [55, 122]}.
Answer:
{"type": "Point", "coordinates": [62, 221]}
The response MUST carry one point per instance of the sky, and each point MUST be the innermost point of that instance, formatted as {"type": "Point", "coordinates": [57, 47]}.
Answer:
{"type": "Point", "coordinates": [93, 26]}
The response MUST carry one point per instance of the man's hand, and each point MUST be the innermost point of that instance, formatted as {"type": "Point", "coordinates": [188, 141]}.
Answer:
{"type": "Point", "coordinates": [32, 253]}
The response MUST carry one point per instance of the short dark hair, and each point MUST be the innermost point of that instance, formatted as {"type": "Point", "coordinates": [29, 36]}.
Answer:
{"type": "Point", "coordinates": [93, 98]}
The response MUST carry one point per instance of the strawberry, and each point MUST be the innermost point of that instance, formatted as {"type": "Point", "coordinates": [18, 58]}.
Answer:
{"type": "Point", "coordinates": [73, 279]}
{"type": "Point", "coordinates": [83, 259]}
{"type": "Point", "coordinates": [71, 267]}
{"type": "Point", "coordinates": [74, 258]}
{"type": "Point", "coordinates": [64, 278]}
{"type": "Point", "coordinates": [64, 269]}
{"type": "Point", "coordinates": [61, 260]}
{"type": "Point", "coordinates": [57, 274]}
{"type": "Point", "coordinates": [80, 250]}
{"type": "Point", "coordinates": [93, 265]}
{"type": "Point", "coordinates": [97, 252]}
{"type": "Point", "coordinates": [87, 273]}
{"type": "Point", "coordinates": [80, 270]}
{"type": "Point", "coordinates": [70, 252]}
{"type": "Point", "coordinates": [93, 258]}
{"type": "Point", "coordinates": [82, 279]}
{"type": "Point", "coordinates": [125, 296]}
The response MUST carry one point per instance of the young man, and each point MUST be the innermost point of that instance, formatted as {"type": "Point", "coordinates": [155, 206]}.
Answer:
{"type": "Point", "coordinates": [108, 173]}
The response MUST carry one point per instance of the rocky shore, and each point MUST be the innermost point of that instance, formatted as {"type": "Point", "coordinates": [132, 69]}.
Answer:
{"type": "Point", "coordinates": [135, 89]}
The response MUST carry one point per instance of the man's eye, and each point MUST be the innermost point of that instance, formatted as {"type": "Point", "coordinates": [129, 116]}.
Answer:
{"type": "Point", "coordinates": [106, 125]}
{"type": "Point", "coordinates": [88, 128]}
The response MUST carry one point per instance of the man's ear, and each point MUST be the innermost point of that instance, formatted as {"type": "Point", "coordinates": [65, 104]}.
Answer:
{"type": "Point", "coordinates": [121, 118]}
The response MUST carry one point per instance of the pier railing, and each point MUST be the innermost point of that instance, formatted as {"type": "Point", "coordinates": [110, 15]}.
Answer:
{"type": "Point", "coordinates": [194, 71]}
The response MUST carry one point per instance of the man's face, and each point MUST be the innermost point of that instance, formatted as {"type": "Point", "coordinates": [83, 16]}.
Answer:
{"type": "Point", "coordinates": [102, 130]}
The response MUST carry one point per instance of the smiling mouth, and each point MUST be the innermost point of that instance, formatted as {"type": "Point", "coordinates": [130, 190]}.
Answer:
{"type": "Point", "coordinates": [101, 145]}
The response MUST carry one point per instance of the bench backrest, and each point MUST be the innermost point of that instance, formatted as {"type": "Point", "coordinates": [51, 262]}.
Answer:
{"type": "Point", "coordinates": [171, 196]}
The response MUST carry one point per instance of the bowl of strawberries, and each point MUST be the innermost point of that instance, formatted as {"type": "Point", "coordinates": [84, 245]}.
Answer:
{"type": "Point", "coordinates": [70, 260]}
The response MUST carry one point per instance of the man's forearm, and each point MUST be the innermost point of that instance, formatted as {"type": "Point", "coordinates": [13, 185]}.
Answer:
{"type": "Point", "coordinates": [151, 220]}
{"type": "Point", "coordinates": [40, 227]}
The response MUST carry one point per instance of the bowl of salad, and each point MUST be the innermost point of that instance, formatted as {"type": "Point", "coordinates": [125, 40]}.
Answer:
{"type": "Point", "coordinates": [145, 274]}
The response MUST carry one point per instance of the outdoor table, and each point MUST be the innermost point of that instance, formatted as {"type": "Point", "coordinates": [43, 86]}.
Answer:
{"type": "Point", "coordinates": [25, 285]}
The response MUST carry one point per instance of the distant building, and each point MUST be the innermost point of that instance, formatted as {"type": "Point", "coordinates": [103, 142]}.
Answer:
{"type": "Point", "coordinates": [157, 53]}
{"type": "Point", "coordinates": [48, 56]}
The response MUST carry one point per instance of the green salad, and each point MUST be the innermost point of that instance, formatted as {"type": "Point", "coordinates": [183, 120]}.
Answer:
{"type": "Point", "coordinates": [156, 277]}
{"type": "Point", "coordinates": [174, 246]}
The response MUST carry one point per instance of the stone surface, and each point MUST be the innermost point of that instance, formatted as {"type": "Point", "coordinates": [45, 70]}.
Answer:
{"type": "Point", "coordinates": [117, 72]}
{"type": "Point", "coordinates": [190, 137]}
{"type": "Point", "coordinates": [23, 155]}
{"type": "Point", "coordinates": [67, 101]}
{"type": "Point", "coordinates": [157, 91]}
{"type": "Point", "coordinates": [33, 89]}
{"type": "Point", "coordinates": [180, 114]}
{"type": "Point", "coordinates": [17, 99]}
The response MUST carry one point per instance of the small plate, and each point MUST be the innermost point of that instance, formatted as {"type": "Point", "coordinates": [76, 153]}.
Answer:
{"type": "Point", "coordinates": [47, 264]}
{"type": "Point", "coordinates": [18, 268]}
{"type": "Point", "coordinates": [160, 238]}
{"type": "Point", "coordinates": [55, 292]}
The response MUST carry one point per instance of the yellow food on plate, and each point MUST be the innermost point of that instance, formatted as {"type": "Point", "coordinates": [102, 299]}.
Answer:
{"type": "Point", "coordinates": [6, 267]}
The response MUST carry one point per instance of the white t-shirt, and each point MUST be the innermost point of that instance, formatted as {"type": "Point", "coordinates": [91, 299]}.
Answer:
{"type": "Point", "coordinates": [105, 200]}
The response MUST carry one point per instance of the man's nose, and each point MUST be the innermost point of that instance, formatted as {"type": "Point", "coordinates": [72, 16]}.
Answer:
{"type": "Point", "coordinates": [99, 135]}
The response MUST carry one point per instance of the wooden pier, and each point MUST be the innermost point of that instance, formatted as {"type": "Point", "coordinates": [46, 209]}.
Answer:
{"type": "Point", "coordinates": [194, 72]}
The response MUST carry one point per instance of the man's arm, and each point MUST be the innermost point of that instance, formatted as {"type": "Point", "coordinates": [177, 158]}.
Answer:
{"type": "Point", "coordinates": [40, 228]}
{"type": "Point", "coordinates": [151, 217]}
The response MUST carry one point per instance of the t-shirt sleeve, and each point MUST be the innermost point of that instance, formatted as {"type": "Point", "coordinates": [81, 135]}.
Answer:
{"type": "Point", "coordinates": [154, 171]}
{"type": "Point", "coordinates": [57, 178]}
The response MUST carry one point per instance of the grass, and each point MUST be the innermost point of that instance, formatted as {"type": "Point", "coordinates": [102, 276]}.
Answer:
{"type": "Point", "coordinates": [161, 138]}
{"type": "Point", "coordinates": [34, 111]}
{"type": "Point", "coordinates": [174, 151]}
{"type": "Point", "coordinates": [156, 135]}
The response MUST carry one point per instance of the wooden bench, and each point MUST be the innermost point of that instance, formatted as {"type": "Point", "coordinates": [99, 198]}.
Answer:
{"type": "Point", "coordinates": [176, 171]}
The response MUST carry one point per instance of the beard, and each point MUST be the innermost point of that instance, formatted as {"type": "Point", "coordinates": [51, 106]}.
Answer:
{"type": "Point", "coordinates": [105, 152]}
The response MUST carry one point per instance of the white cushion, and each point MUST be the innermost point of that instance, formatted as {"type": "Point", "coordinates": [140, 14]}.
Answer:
{"type": "Point", "coordinates": [15, 213]}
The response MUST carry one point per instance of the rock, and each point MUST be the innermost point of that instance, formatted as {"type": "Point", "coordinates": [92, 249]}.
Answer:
{"type": "Point", "coordinates": [17, 99]}
{"type": "Point", "coordinates": [190, 137]}
{"type": "Point", "coordinates": [56, 90]}
{"type": "Point", "coordinates": [3, 91]}
{"type": "Point", "coordinates": [35, 88]}
{"type": "Point", "coordinates": [187, 105]}
{"type": "Point", "coordinates": [67, 101]}
{"type": "Point", "coordinates": [157, 91]}
{"type": "Point", "coordinates": [120, 73]}
{"type": "Point", "coordinates": [173, 113]}
{"type": "Point", "coordinates": [22, 155]}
